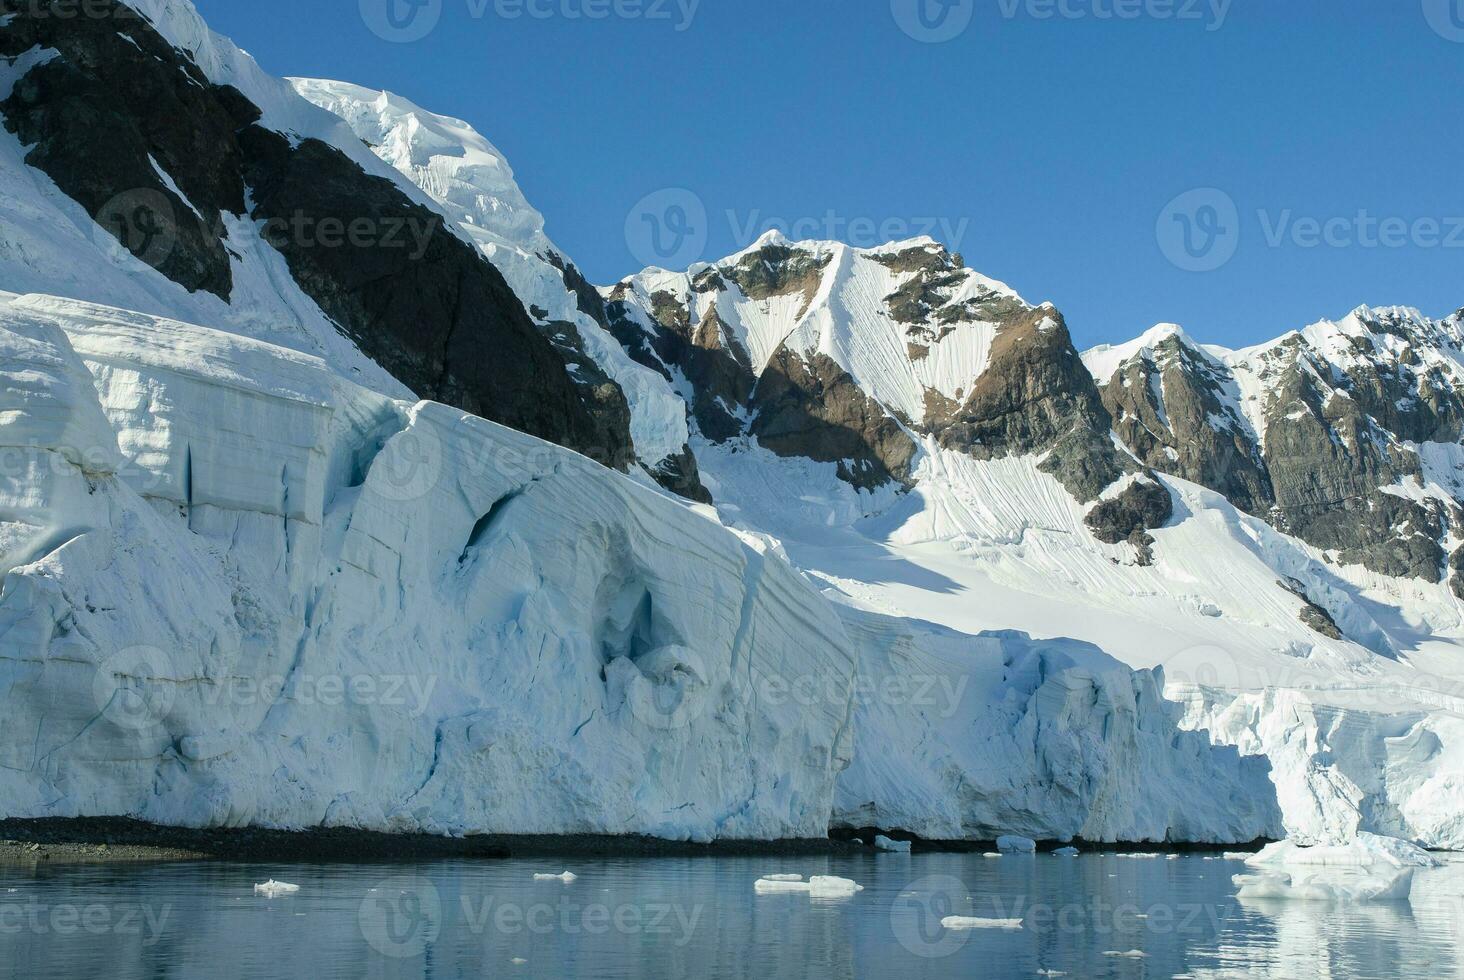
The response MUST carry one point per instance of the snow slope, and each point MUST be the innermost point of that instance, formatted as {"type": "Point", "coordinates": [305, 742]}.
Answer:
{"type": "Point", "coordinates": [1366, 733]}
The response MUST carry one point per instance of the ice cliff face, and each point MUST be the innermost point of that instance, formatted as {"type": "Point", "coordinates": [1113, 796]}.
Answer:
{"type": "Point", "coordinates": [242, 590]}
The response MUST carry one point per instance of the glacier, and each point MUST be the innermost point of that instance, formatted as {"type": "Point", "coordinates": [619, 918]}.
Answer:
{"type": "Point", "coordinates": [242, 590]}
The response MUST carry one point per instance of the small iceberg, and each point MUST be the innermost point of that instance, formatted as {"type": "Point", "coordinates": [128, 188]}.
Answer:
{"type": "Point", "coordinates": [1373, 885]}
{"type": "Point", "coordinates": [1133, 954]}
{"type": "Point", "coordinates": [828, 886]}
{"type": "Point", "coordinates": [781, 885]}
{"type": "Point", "coordinates": [883, 843]}
{"type": "Point", "coordinates": [274, 889]}
{"type": "Point", "coordinates": [960, 922]}
{"type": "Point", "coordinates": [819, 886]}
{"type": "Point", "coordinates": [1363, 851]}
{"type": "Point", "coordinates": [1016, 845]}
{"type": "Point", "coordinates": [1066, 852]}
{"type": "Point", "coordinates": [565, 876]}
{"type": "Point", "coordinates": [992, 854]}
{"type": "Point", "coordinates": [782, 877]}
{"type": "Point", "coordinates": [1367, 868]}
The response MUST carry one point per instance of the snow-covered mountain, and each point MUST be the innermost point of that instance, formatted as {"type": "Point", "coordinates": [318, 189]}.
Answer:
{"type": "Point", "coordinates": [950, 571]}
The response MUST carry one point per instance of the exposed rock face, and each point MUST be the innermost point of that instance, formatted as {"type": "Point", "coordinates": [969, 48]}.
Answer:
{"type": "Point", "coordinates": [116, 100]}
{"type": "Point", "coordinates": [1312, 614]}
{"type": "Point", "coordinates": [1168, 410]}
{"type": "Point", "coordinates": [1036, 396]}
{"type": "Point", "coordinates": [1142, 506]}
{"type": "Point", "coordinates": [1328, 439]}
{"type": "Point", "coordinates": [704, 353]}
{"type": "Point", "coordinates": [813, 408]}
{"type": "Point", "coordinates": [446, 323]}
{"type": "Point", "coordinates": [134, 131]}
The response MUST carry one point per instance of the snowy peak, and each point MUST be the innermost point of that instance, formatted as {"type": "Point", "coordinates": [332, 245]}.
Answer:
{"type": "Point", "coordinates": [446, 157]}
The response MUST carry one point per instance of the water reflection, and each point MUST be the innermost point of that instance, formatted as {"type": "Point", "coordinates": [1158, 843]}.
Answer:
{"type": "Point", "coordinates": [700, 917]}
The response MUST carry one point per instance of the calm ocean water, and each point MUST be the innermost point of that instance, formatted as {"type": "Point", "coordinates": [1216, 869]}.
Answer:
{"type": "Point", "coordinates": [701, 918]}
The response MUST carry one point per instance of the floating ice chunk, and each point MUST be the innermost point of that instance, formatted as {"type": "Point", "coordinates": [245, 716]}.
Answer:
{"type": "Point", "coordinates": [1051, 973]}
{"type": "Point", "coordinates": [1238, 855]}
{"type": "Point", "coordinates": [1016, 845]}
{"type": "Point", "coordinates": [883, 843]}
{"type": "Point", "coordinates": [1363, 851]}
{"type": "Point", "coordinates": [1379, 884]}
{"type": "Point", "coordinates": [1066, 852]}
{"type": "Point", "coordinates": [779, 886]}
{"type": "Point", "coordinates": [782, 877]}
{"type": "Point", "coordinates": [565, 877]}
{"type": "Point", "coordinates": [828, 886]}
{"type": "Point", "coordinates": [1133, 954]}
{"type": "Point", "coordinates": [274, 889]}
{"type": "Point", "coordinates": [992, 854]}
{"type": "Point", "coordinates": [960, 922]}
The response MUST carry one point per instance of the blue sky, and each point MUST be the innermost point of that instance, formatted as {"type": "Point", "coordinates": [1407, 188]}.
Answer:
{"type": "Point", "coordinates": [1241, 167]}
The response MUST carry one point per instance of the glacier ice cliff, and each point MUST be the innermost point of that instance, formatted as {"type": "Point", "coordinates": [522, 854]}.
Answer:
{"type": "Point", "coordinates": [240, 589]}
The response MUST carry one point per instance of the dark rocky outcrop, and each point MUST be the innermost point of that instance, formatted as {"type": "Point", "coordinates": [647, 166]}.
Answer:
{"type": "Point", "coordinates": [1035, 396]}
{"type": "Point", "coordinates": [1165, 410]}
{"type": "Point", "coordinates": [1336, 432]}
{"type": "Point", "coordinates": [116, 98]}
{"type": "Point", "coordinates": [1313, 615]}
{"type": "Point", "coordinates": [1456, 570]}
{"type": "Point", "coordinates": [1327, 460]}
{"type": "Point", "coordinates": [705, 352]}
{"type": "Point", "coordinates": [1142, 506]}
{"type": "Point", "coordinates": [807, 405]}
{"type": "Point", "coordinates": [425, 305]}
